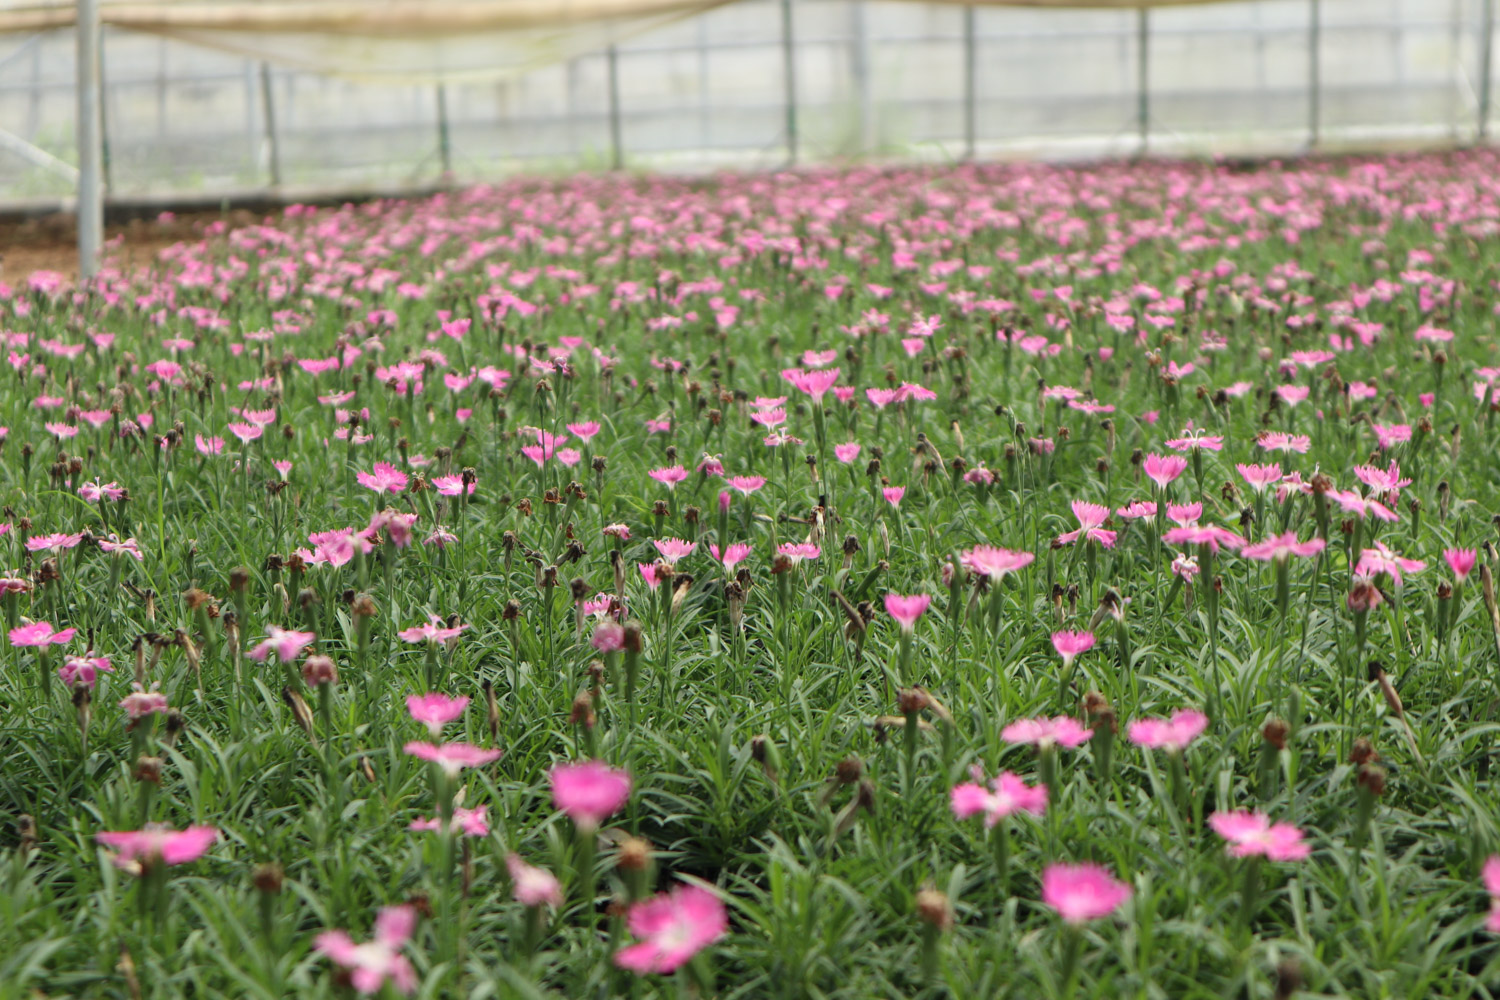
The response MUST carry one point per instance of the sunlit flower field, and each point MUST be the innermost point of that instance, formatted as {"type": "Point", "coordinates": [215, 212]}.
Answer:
{"type": "Point", "coordinates": [1003, 581]}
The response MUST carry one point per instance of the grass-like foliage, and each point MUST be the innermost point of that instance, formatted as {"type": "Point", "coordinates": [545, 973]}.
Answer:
{"type": "Point", "coordinates": [973, 582]}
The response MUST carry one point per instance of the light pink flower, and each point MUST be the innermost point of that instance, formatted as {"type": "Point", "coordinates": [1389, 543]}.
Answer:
{"type": "Point", "coordinates": [1082, 892]}
{"type": "Point", "coordinates": [733, 554]}
{"type": "Point", "coordinates": [675, 926]}
{"type": "Point", "coordinates": [1063, 730]}
{"type": "Point", "coordinates": [673, 549]}
{"type": "Point", "coordinates": [40, 634]}
{"type": "Point", "coordinates": [1253, 833]}
{"type": "Point", "coordinates": [747, 484]}
{"type": "Point", "coordinates": [1007, 793]}
{"type": "Point", "coordinates": [589, 792]}
{"type": "Point", "coordinates": [1162, 469]}
{"type": "Point", "coordinates": [435, 629]}
{"type": "Point", "coordinates": [609, 636]}
{"type": "Point", "coordinates": [452, 486]}
{"type": "Point", "coordinates": [1282, 548]}
{"type": "Point", "coordinates": [616, 531]}
{"type": "Point", "coordinates": [669, 476]}
{"type": "Point", "coordinates": [798, 551]}
{"type": "Point", "coordinates": [129, 547]}
{"type": "Point", "coordinates": [1260, 477]}
{"type": "Point", "coordinates": [906, 610]}
{"type": "Point", "coordinates": [1070, 645]}
{"type": "Point", "coordinates": [1091, 518]}
{"type": "Point", "coordinates": [55, 542]}
{"type": "Point", "coordinates": [140, 702]}
{"type": "Point", "coordinates": [288, 644]}
{"type": "Point", "coordinates": [816, 383]}
{"type": "Point", "coordinates": [378, 959]}
{"type": "Point", "coordinates": [139, 850]}
{"type": "Point", "coordinates": [994, 563]}
{"type": "Point", "coordinates": [465, 822]}
{"type": "Point", "coordinates": [452, 757]}
{"type": "Point", "coordinates": [435, 710]}
{"type": "Point", "coordinates": [1172, 735]}
{"type": "Point", "coordinates": [1379, 559]}
{"type": "Point", "coordinates": [533, 886]}
{"type": "Point", "coordinates": [846, 453]}
{"type": "Point", "coordinates": [1355, 504]}
{"type": "Point", "coordinates": [1212, 536]}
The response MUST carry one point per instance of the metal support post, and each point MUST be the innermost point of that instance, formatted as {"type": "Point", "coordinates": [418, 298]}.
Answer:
{"type": "Point", "coordinates": [1486, 54]}
{"type": "Point", "coordinates": [90, 141]}
{"type": "Point", "coordinates": [789, 76]}
{"type": "Point", "coordinates": [273, 140]}
{"type": "Point", "coordinates": [445, 142]}
{"type": "Point", "coordinates": [616, 133]}
{"type": "Point", "coordinates": [971, 81]}
{"type": "Point", "coordinates": [859, 66]}
{"type": "Point", "coordinates": [1143, 76]}
{"type": "Point", "coordinates": [1314, 72]}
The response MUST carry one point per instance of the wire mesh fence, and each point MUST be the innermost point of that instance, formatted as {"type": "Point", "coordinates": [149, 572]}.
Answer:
{"type": "Point", "coordinates": [760, 82]}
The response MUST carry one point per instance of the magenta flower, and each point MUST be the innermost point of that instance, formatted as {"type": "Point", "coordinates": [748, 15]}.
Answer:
{"type": "Point", "coordinates": [906, 610]}
{"type": "Point", "coordinates": [1091, 518]}
{"type": "Point", "coordinates": [1162, 469]}
{"type": "Point", "coordinates": [1461, 562]}
{"type": "Point", "coordinates": [669, 476]}
{"type": "Point", "coordinates": [432, 630]}
{"type": "Point", "coordinates": [893, 494]}
{"type": "Point", "coordinates": [675, 926]}
{"type": "Point", "coordinates": [452, 757]}
{"type": "Point", "coordinates": [846, 453]}
{"type": "Point", "coordinates": [673, 549]}
{"type": "Point", "coordinates": [385, 479]}
{"type": "Point", "coordinates": [83, 671]}
{"type": "Point", "coordinates": [1070, 645]}
{"type": "Point", "coordinates": [1282, 548]}
{"type": "Point", "coordinates": [465, 822]}
{"type": "Point", "coordinates": [1172, 735]}
{"type": "Point", "coordinates": [139, 850]}
{"type": "Point", "coordinates": [435, 710]}
{"type": "Point", "coordinates": [54, 542]}
{"type": "Point", "coordinates": [1492, 885]}
{"type": "Point", "coordinates": [589, 792]}
{"type": "Point", "coordinates": [1253, 834]}
{"type": "Point", "coordinates": [649, 574]}
{"type": "Point", "coordinates": [532, 886]}
{"type": "Point", "coordinates": [372, 963]}
{"type": "Point", "coordinates": [1063, 730]}
{"type": "Point", "coordinates": [288, 644]}
{"type": "Point", "coordinates": [994, 563]}
{"type": "Point", "coordinates": [1082, 892]}
{"type": "Point", "coordinates": [40, 634]}
{"type": "Point", "coordinates": [1007, 793]}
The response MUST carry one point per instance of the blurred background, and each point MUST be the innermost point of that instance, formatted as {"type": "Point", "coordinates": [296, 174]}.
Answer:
{"type": "Point", "coordinates": [755, 83]}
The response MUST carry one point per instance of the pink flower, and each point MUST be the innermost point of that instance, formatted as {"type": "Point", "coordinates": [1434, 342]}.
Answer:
{"type": "Point", "coordinates": [83, 671]}
{"type": "Point", "coordinates": [669, 476]}
{"type": "Point", "coordinates": [584, 431]}
{"type": "Point", "coordinates": [816, 384]}
{"type": "Point", "coordinates": [452, 757]}
{"type": "Point", "coordinates": [747, 484]}
{"type": "Point", "coordinates": [1070, 645]}
{"type": "Point", "coordinates": [533, 886]}
{"type": "Point", "coordinates": [1209, 535]}
{"type": "Point", "coordinates": [1291, 395]}
{"type": "Point", "coordinates": [40, 634]}
{"type": "Point", "coordinates": [1461, 561]}
{"type": "Point", "coordinates": [994, 563]}
{"type": "Point", "coordinates": [465, 822]}
{"type": "Point", "coordinates": [1192, 440]}
{"type": "Point", "coordinates": [906, 610]}
{"type": "Point", "coordinates": [1082, 892]}
{"type": "Point", "coordinates": [893, 494]}
{"type": "Point", "coordinates": [1278, 441]}
{"type": "Point", "coordinates": [1353, 503]}
{"type": "Point", "coordinates": [1172, 735]}
{"type": "Point", "coordinates": [1007, 793]}
{"type": "Point", "coordinates": [846, 453]}
{"type": "Point", "coordinates": [609, 636]}
{"type": "Point", "coordinates": [589, 792]}
{"type": "Point", "coordinates": [1492, 885]}
{"type": "Point", "coordinates": [1063, 730]}
{"type": "Point", "coordinates": [129, 547]}
{"type": "Point", "coordinates": [54, 542]}
{"type": "Point", "coordinates": [673, 549]}
{"type": "Point", "coordinates": [378, 959]}
{"type": "Point", "coordinates": [798, 551]}
{"type": "Point", "coordinates": [435, 710]}
{"type": "Point", "coordinates": [1260, 477]}
{"type": "Point", "coordinates": [616, 531]}
{"type": "Point", "coordinates": [287, 644]}
{"type": "Point", "coordinates": [1253, 833]}
{"type": "Point", "coordinates": [1375, 561]}
{"type": "Point", "coordinates": [385, 479]}
{"type": "Point", "coordinates": [649, 574]}
{"type": "Point", "coordinates": [208, 446]}
{"type": "Point", "coordinates": [140, 703]}
{"type": "Point", "coordinates": [139, 850]}
{"type": "Point", "coordinates": [452, 486]}
{"type": "Point", "coordinates": [435, 629]}
{"type": "Point", "coordinates": [1091, 518]}
{"type": "Point", "coordinates": [732, 555]}
{"type": "Point", "coordinates": [675, 926]}
{"type": "Point", "coordinates": [1282, 548]}
{"type": "Point", "coordinates": [1162, 469]}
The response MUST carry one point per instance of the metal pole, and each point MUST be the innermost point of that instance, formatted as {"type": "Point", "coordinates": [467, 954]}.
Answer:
{"type": "Point", "coordinates": [1486, 47]}
{"type": "Point", "coordinates": [1143, 75]}
{"type": "Point", "coordinates": [860, 68]}
{"type": "Point", "coordinates": [1314, 72]}
{"type": "Point", "coordinates": [971, 81]}
{"type": "Point", "coordinates": [273, 141]}
{"type": "Point", "coordinates": [445, 144]}
{"type": "Point", "coordinates": [616, 140]}
{"type": "Point", "coordinates": [90, 141]}
{"type": "Point", "coordinates": [789, 71]}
